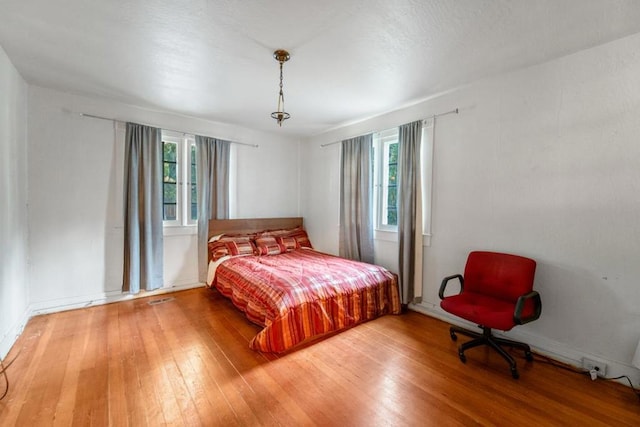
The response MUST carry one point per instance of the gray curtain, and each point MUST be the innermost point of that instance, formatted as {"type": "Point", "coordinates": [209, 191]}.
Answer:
{"type": "Point", "coordinates": [143, 251]}
{"type": "Point", "coordinates": [213, 191]}
{"type": "Point", "coordinates": [409, 212]}
{"type": "Point", "coordinates": [356, 223]}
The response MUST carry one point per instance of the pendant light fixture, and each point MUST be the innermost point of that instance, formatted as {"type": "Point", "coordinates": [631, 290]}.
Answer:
{"type": "Point", "coordinates": [280, 115]}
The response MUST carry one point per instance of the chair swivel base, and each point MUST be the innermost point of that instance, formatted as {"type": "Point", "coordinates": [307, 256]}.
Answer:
{"type": "Point", "coordinates": [487, 338]}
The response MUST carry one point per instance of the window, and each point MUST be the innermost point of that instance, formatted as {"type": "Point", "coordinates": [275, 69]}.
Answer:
{"type": "Point", "coordinates": [385, 179]}
{"type": "Point", "coordinates": [180, 201]}
{"type": "Point", "coordinates": [193, 197]}
{"type": "Point", "coordinates": [170, 180]}
{"type": "Point", "coordinates": [385, 156]}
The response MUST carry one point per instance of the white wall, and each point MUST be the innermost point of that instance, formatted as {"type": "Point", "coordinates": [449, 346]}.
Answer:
{"type": "Point", "coordinates": [542, 162]}
{"type": "Point", "coordinates": [14, 297]}
{"type": "Point", "coordinates": [75, 176]}
{"type": "Point", "coordinates": [72, 197]}
{"type": "Point", "coordinates": [267, 178]}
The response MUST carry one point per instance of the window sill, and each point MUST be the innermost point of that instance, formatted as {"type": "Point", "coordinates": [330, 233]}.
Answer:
{"type": "Point", "coordinates": [186, 230]}
{"type": "Point", "coordinates": [385, 235]}
{"type": "Point", "coordinates": [392, 236]}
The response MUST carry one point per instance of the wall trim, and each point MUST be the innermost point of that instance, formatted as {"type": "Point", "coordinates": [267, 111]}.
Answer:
{"type": "Point", "coordinates": [64, 304]}
{"type": "Point", "coordinates": [10, 338]}
{"type": "Point", "coordinates": [541, 345]}
{"type": "Point", "coordinates": [72, 303]}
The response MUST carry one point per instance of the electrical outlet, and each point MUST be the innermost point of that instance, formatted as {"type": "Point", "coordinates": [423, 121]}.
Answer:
{"type": "Point", "coordinates": [598, 366]}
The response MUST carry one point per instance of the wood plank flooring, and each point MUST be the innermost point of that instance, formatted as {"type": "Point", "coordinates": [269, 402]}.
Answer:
{"type": "Point", "coordinates": [187, 362]}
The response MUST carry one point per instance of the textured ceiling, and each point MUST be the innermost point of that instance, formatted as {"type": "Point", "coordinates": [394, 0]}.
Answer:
{"type": "Point", "coordinates": [350, 59]}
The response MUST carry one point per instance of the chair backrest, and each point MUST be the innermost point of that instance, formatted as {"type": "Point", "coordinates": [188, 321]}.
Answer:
{"type": "Point", "coordinates": [499, 275]}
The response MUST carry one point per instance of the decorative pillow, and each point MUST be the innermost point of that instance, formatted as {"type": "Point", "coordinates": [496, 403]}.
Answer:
{"type": "Point", "coordinates": [289, 243]}
{"type": "Point", "coordinates": [238, 245]}
{"type": "Point", "coordinates": [302, 239]}
{"type": "Point", "coordinates": [217, 250]}
{"type": "Point", "coordinates": [269, 246]}
{"type": "Point", "coordinates": [241, 248]}
{"type": "Point", "coordinates": [284, 237]}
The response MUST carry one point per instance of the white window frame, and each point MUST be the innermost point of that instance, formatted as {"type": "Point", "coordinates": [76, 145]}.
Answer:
{"type": "Point", "coordinates": [381, 142]}
{"type": "Point", "coordinates": [183, 173]}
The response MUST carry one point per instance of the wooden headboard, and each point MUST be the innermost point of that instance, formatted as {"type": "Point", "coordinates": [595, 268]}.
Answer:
{"type": "Point", "coordinates": [251, 225]}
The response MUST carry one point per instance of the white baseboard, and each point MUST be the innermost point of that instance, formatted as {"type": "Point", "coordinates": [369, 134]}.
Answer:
{"type": "Point", "coordinates": [9, 339]}
{"type": "Point", "coordinates": [541, 345]}
{"type": "Point", "coordinates": [63, 304]}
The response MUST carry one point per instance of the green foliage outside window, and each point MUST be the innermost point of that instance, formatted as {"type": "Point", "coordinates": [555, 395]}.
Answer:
{"type": "Point", "coordinates": [170, 180]}
{"type": "Point", "coordinates": [177, 169]}
{"type": "Point", "coordinates": [392, 188]}
{"type": "Point", "coordinates": [170, 151]}
{"type": "Point", "coordinates": [194, 193]}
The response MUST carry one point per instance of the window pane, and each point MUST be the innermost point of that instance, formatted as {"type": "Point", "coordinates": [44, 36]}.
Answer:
{"type": "Point", "coordinates": [392, 199]}
{"type": "Point", "coordinates": [193, 164]}
{"type": "Point", "coordinates": [194, 194]}
{"type": "Point", "coordinates": [194, 211]}
{"type": "Point", "coordinates": [393, 171]}
{"type": "Point", "coordinates": [170, 151]}
{"type": "Point", "coordinates": [170, 172]}
{"type": "Point", "coordinates": [194, 180]}
{"type": "Point", "coordinates": [393, 153]}
{"type": "Point", "coordinates": [169, 193]}
{"type": "Point", "coordinates": [392, 216]}
{"type": "Point", "coordinates": [170, 212]}
{"type": "Point", "coordinates": [194, 202]}
{"type": "Point", "coordinates": [392, 190]}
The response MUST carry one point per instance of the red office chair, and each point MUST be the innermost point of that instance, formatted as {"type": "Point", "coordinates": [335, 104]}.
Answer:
{"type": "Point", "coordinates": [495, 293]}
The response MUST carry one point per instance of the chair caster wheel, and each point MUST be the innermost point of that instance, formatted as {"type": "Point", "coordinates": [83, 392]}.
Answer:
{"type": "Point", "coordinates": [463, 358]}
{"type": "Point", "coordinates": [528, 356]}
{"type": "Point", "coordinates": [514, 373]}
{"type": "Point", "coordinates": [453, 335]}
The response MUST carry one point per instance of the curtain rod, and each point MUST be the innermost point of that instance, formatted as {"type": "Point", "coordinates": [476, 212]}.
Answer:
{"type": "Point", "coordinates": [171, 130]}
{"type": "Point", "coordinates": [423, 120]}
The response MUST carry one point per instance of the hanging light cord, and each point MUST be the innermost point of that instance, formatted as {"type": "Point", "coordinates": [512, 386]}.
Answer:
{"type": "Point", "coordinates": [281, 97]}
{"type": "Point", "coordinates": [280, 115]}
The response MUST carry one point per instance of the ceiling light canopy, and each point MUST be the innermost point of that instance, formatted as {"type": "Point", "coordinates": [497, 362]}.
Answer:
{"type": "Point", "coordinates": [280, 115]}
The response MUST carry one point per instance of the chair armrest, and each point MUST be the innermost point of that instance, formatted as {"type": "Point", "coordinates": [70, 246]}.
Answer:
{"type": "Point", "coordinates": [517, 315]}
{"type": "Point", "coordinates": [443, 285]}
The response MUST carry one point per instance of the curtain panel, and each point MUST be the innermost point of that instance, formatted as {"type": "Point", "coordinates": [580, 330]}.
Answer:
{"type": "Point", "coordinates": [213, 191]}
{"type": "Point", "coordinates": [143, 240]}
{"type": "Point", "coordinates": [356, 222]}
{"type": "Point", "coordinates": [410, 212]}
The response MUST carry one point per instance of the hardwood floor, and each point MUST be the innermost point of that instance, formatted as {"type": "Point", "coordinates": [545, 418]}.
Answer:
{"type": "Point", "coordinates": [187, 362]}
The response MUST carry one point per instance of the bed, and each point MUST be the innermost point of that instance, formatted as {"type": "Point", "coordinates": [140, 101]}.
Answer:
{"type": "Point", "coordinates": [269, 270]}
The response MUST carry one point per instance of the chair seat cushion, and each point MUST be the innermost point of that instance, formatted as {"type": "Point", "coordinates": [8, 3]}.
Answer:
{"type": "Point", "coordinates": [487, 311]}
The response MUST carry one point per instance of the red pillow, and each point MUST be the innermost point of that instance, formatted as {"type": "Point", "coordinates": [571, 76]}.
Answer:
{"type": "Point", "coordinates": [241, 248]}
{"type": "Point", "coordinates": [284, 237]}
{"type": "Point", "coordinates": [289, 243]}
{"type": "Point", "coordinates": [217, 250]}
{"type": "Point", "coordinates": [239, 245]}
{"type": "Point", "coordinates": [268, 245]}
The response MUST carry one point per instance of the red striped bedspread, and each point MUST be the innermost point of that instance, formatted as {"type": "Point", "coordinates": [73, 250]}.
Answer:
{"type": "Point", "coordinates": [303, 294]}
